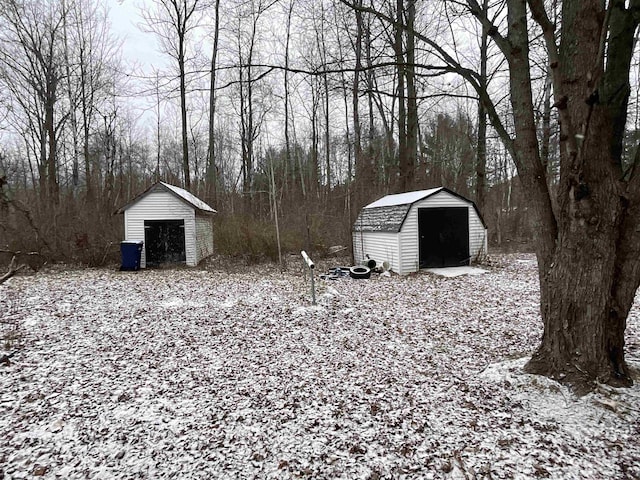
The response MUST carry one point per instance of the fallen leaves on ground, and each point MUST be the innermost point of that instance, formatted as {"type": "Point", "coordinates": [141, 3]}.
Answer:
{"type": "Point", "coordinates": [199, 374]}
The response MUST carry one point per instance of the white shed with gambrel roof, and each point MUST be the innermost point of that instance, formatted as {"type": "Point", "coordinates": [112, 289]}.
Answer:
{"type": "Point", "coordinates": [420, 229]}
{"type": "Point", "coordinates": [175, 225]}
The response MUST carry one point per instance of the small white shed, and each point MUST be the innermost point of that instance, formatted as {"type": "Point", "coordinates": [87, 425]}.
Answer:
{"type": "Point", "coordinates": [175, 226]}
{"type": "Point", "coordinates": [421, 229]}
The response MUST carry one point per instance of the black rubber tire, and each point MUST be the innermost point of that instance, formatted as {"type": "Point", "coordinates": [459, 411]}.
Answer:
{"type": "Point", "coordinates": [360, 272]}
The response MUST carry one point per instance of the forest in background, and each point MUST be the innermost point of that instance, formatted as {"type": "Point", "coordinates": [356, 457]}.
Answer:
{"type": "Point", "coordinates": [296, 110]}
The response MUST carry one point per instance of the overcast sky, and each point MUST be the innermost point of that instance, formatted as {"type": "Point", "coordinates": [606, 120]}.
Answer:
{"type": "Point", "coordinates": [139, 47]}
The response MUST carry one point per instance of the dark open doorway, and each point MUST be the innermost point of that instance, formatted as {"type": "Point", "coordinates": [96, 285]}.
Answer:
{"type": "Point", "coordinates": [443, 235]}
{"type": "Point", "coordinates": [164, 242]}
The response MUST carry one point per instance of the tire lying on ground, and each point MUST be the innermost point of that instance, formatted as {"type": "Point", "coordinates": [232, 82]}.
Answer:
{"type": "Point", "coordinates": [360, 272]}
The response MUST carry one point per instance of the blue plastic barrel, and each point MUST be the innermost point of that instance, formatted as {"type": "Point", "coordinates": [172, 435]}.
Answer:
{"type": "Point", "coordinates": [131, 251]}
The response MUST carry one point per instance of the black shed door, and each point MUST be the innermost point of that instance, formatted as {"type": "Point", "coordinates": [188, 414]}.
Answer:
{"type": "Point", "coordinates": [164, 241]}
{"type": "Point", "coordinates": [443, 237]}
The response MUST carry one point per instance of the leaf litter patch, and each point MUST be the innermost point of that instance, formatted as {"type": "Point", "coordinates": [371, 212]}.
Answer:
{"type": "Point", "coordinates": [191, 374]}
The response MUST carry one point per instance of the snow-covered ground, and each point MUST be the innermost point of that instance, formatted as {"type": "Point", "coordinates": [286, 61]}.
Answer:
{"type": "Point", "coordinates": [202, 374]}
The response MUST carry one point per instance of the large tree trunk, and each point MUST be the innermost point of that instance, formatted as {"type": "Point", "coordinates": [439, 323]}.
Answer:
{"type": "Point", "coordinates": [588, 281]}
{"type": "Point", "coordinates": [588, 249]}
{"type": "Point", "coordinates": [591, 289]}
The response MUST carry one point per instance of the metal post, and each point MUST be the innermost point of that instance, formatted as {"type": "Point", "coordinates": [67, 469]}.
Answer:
{"type": "Point", "coordinates": [313, 290]}
{"type": "Point", "coordinates": [311, 266]}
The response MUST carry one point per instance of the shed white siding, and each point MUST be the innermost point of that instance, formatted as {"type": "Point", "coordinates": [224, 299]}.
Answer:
{"type": "Point", "coordinates": [478, 243]}
{"type": "Point", "coordinates": [374, 232]}
{"type": "Point", "coordinates": [204, 237]}
{"type": "Point", "coordinates": [380, 246]}
{"type": "Point", "coordinates": [409, 241]}
{"type": "Point", "coordinates": [160, 205]}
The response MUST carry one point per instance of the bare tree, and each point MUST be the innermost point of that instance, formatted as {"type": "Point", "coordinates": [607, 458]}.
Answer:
{"type": "Point", "coordinates": [361, 167]}
{"type": "Point", "coordinates": [93, 57]}
{"type": "Point", "coordinates": [173, 21]}
{"type": "Point", "coordinates": [412, 101]}
{"type": "Point", "coordinates": [588, 248]}
{"type": "Point", "coordinates": [398, 47]}
{"type": "Point", "coordinates": [289, 162]}
{"type": "Point", "coordinates": [481, 158]}
{"type": "Point", "coordinates": [252, 107]}
{"type": "Point", "coordinates": [32, 69]}
{"type": "Point", "coordinates": [212, 176]}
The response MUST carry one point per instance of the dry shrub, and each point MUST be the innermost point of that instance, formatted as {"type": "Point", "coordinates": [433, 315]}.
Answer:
{"type": "Point", "coordinates": [256, 240]}
{"type": "Point", "coordinates": [72, 232]}
{"type": "Point", "coordinates": [252, 239]}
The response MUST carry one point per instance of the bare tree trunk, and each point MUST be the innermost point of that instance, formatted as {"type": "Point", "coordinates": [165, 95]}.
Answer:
{"type": "Point", "coordinates": [172, 21]}
{"type": "Point", "coordinates": [158, 130]}
{"type": "Point", "coordinates": [85, 147]}
{"type": "Point", "coordinates": [371, 147]}
{"type": "Point", "coordinates": [325, 84]}
{"type": "Point", "coordinates": [274, 199]}
{"type": "Point", "coordinates": [287, 135]}
{"type": "Point", "coordinates": [546, 125]}
{"type": "Point", "coordinates": [75, 175]}
{"type": "Point", "coordinates": [52, 157]}
{"type": "Point", "coordinates": [360, 170]}
{"type": "Point", "coordinates": [403, 158]}
{"type": "Point", "coordinates": [589, 250]}
{"type": "Point", "coordinates": [212, 174]}
{"type": "Point", "coordinates": [183, 113]}
{"type": "Point", "coordinates": [481, 160]}
{"type": "Point", "coordinates": [327, 134]}
{"type": "Point", "coordinates": [313, 154]}
{"type": "Point", "coordinates": [412, 101]}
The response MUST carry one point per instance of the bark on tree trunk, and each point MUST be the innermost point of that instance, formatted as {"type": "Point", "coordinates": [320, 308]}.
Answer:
{"type": "Point", "coordinates": [412, 101]}
{"type": "Point", "coordinates": [52, 158]}
{"type": "Point", "coordinates": [212, 172]}
{"type": "Point", "coordinates": [183, 116]}
{"type": "Point", "coordinates": [481, 159]}
{"type": "Point", "coordinates": [590, 279]}
{"type": "Point", "coordinates": [403, 180]}
{"type": "Point", "coordinates": [360, 167]}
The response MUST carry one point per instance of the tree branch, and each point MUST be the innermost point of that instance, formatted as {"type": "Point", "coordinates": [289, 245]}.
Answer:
{"type": "Point", "coordinates": [477, 11]}
{"type": "Point", "coordinates": [13, 269]}
{"type": "Point", "coordinates": [548, 31]}
{"type": "Point", "coordinates": [469, 75]}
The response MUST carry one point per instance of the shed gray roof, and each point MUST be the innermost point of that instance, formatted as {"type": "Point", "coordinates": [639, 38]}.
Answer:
{"type": "Point", "coordinates": [179, 193]}
{"type": "Point", "coordinates": [381, 219]}
{"type": "Point", "coordinates": [388, 213]}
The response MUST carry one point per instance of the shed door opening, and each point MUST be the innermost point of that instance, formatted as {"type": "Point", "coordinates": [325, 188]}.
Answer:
{"type": "Point", "coordinates": [164, 242]}
{"type": "Point", "coordinates": [443, 237]}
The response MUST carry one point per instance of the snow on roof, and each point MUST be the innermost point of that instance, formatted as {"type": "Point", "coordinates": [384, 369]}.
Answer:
{"type": "Point", "coordinates": [403, 198]}
{"type": "Point", "coordinates": [388, 213]}
{"type": "Point", "coordinates": [181, 193]}
{"type": "Point", "coordinates": [189, 197]}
